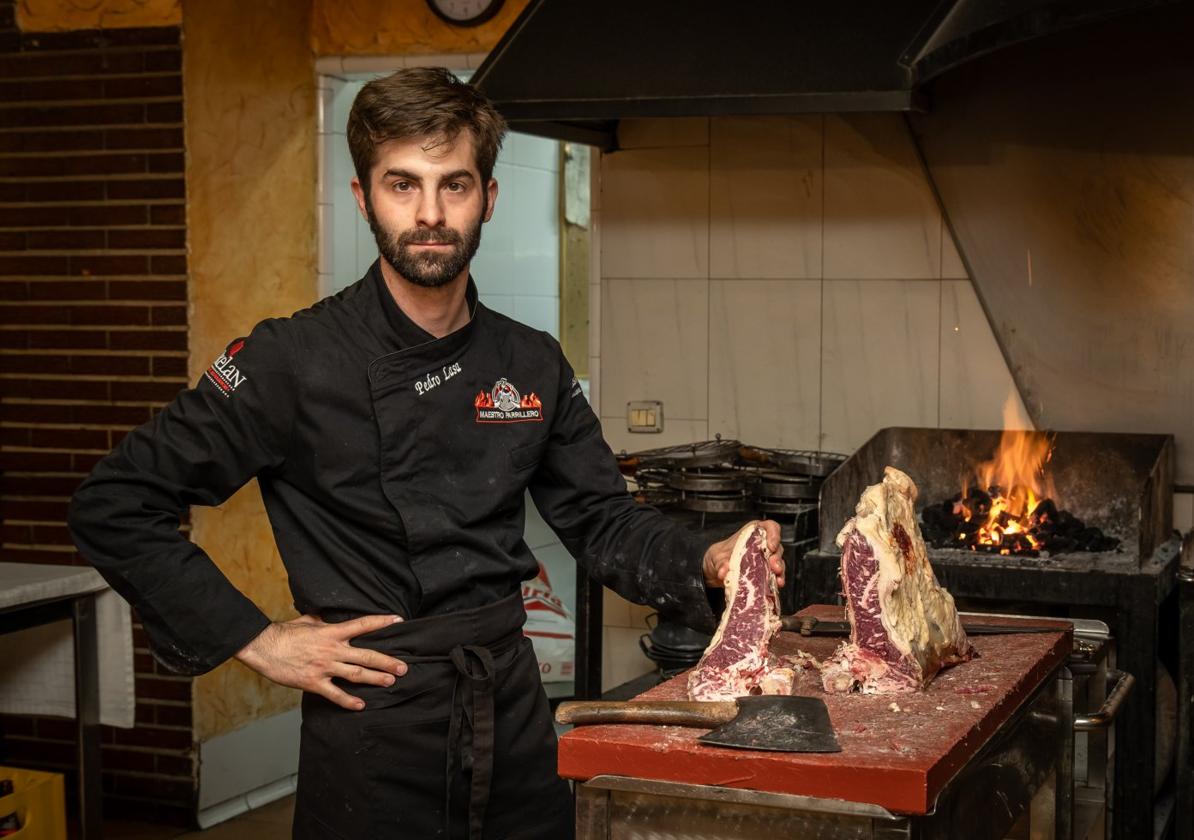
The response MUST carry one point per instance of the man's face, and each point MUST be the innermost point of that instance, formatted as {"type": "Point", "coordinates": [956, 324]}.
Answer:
{"type": "Point", "coordinates": [425, 207]}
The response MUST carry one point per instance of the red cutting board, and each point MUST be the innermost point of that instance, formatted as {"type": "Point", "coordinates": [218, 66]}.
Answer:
{"type": "Point", "coordinates": [899, 760]}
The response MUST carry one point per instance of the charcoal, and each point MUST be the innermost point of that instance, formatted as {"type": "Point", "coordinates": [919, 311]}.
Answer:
{"type": "Point", "coordinates": [938, 518]}
{"type": "Point", "coordinates": [1044, 513]}
{"type": "Point", "coordinates": [1055, 531]}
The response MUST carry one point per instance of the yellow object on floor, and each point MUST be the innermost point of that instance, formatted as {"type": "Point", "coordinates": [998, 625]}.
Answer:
{"type": "Point", "coordinates": [39, 803]}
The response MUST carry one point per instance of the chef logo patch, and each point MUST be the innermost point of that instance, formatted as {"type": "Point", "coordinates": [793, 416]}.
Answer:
{"type": "Point", "coordinates": [224, 373]}
{"type": "Point", "coordinates": [503, 404]}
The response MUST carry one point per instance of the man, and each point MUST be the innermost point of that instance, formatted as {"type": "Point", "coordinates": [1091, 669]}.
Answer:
{"type": "Point", "coordinates": [393, 429]}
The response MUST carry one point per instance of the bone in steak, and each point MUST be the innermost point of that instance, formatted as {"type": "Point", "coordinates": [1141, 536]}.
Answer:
{"type": "Point", "coordinates": [737, 661]}
{"type": "Point", "coordinates": [903, 625]}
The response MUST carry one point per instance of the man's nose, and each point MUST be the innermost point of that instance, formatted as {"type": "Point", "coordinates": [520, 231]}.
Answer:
{"type": "Point", "coordinates": [430, 211]}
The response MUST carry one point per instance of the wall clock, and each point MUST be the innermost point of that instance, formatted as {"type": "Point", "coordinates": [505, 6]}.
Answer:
{"type": "Point", "coordinates": [465, 12]}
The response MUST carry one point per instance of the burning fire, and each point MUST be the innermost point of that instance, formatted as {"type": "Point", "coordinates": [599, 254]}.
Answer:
{"type": "Point", "coordinates": [1016, 482]}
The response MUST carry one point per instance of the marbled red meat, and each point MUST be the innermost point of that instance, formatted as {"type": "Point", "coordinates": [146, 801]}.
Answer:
{"type": "Point", "coordinates": [903, 625]}
{"type": "Point", "coordinates": [737, 661]}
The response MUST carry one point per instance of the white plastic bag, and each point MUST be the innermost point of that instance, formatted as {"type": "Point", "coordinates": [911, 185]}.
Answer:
{"type": "Point", "coordinates": [551, 628]}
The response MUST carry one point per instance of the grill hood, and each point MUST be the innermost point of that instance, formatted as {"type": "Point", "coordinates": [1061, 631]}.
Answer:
{"type": "Point", "coordinates": [570, 69]}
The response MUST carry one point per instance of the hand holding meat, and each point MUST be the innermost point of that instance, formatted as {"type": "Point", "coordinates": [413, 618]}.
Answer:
{"type": "Point", "coordinates": [307, 653]}
{"type": "Point", "coordinates": [717, 558]}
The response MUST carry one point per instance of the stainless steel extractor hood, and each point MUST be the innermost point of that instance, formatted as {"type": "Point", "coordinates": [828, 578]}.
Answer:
{"type": "Point", "coordinates": [570, 69]}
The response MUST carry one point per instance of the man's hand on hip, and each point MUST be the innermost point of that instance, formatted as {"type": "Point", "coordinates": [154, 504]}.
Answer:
{"type": "Point", "coordinates": [717, 558]}
{"type": "Point", "coordinates": [307, 653]}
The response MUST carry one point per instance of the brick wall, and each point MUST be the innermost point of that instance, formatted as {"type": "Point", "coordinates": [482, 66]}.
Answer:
{"type": "Point", "coordinates": [93, 334]}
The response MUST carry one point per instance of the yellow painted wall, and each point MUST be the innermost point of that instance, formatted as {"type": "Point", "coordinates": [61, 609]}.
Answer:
{"type": "Point", "coordinates": [400, 27]}
{"type": "Point", "coordinates": [61, 15]}
{"type": "Point", "coordinates": [249, 94]}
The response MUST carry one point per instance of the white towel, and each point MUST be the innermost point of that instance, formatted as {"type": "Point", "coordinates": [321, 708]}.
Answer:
{"type": "Point", "coordinates": [37, 665]}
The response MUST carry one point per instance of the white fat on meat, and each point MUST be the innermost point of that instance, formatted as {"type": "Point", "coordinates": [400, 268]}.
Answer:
{"type": "Point", "coordinates": [737, 661]}
{"type": "Point", "coordinates": [904, 626]}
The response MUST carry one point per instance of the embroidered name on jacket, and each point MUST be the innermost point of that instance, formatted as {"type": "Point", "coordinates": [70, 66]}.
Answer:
{"type": "Point", "coordinates": [503, 404]}
{"type": "Point", "coordinates": [224, 373]}
{"type": "Point", "coordinates": [434, 380]}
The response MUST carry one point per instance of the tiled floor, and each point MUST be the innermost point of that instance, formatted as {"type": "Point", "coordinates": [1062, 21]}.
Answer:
{"type": "Point", "coordinates": [269, 822]}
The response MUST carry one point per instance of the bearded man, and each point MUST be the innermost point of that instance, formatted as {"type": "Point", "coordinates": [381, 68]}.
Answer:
{"type": "Point", "coordinates": [392, 456]}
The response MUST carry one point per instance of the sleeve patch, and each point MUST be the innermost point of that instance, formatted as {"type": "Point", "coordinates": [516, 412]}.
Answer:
{"type": "Point", "coordinates": [223, 372]}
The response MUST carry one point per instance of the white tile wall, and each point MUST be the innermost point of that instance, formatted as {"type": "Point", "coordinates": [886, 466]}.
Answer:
{"type": "Point", "coordinates": [765, 192]}
{"type": "Point", "coordinates": [618, 612]}
{"type": "Point", "coordinates": [655, 213]}
{"type": "Point", "coordinates": [615, 610]}
{"type": "Point", "coordinates": [621, 658]}
{"type": "Point", "coordinates": [540, 312]}
{"type": "Point", "coordinates": [797, 354]}
{"type": "Point", "coordinates": [654, 345]}
{"type": "Point", "coordinates": [764, 361]}
{"type": "Point", "coordinates": [879, 361]}
{"type": "Point", "coordinates": [881, 219]}
{"type": "Point", "coordinates": [975, 381]}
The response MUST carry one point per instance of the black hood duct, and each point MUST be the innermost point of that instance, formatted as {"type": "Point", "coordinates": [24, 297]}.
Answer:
{"type": "Point", "coordinates": [570, 69]}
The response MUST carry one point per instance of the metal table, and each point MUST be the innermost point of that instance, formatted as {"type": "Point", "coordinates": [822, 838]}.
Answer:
{"type": "Point", "coordinates": [32, 595]}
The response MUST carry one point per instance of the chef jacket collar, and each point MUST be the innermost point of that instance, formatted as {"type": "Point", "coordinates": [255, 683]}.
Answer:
{"type": "Point", "coordinates": [406, 331]}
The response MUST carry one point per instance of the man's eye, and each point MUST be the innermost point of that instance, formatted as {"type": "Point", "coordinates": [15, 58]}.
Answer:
{"type": "Point", "coordinates": [403, 186]}
{"type": "Point", "coordinates": [455, 186]}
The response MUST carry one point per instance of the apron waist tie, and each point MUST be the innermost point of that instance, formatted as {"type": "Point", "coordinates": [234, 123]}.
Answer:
{"type": "Point", "coordinates": [472, 703]}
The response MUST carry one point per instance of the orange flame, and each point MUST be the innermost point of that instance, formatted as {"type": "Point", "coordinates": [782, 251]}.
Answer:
{"type": "Point", "coordinates": [1017, 480]}
{"type": "Point", "coordinates": [530, 401]}
{"type": "Point", "coordinates": [483, 400]}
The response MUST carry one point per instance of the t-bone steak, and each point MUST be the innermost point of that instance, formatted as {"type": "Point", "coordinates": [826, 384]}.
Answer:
{"type": "Point", "coordinates": [737, 661]}
{"type": "Point", "coordinates": [904, 627]}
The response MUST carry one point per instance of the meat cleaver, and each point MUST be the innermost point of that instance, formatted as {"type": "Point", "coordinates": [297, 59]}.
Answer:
{"type": "Point", "coordinates": [782, 723]}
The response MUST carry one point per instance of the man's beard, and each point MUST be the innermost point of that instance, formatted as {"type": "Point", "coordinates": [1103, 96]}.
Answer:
{"type": "Point", "coordinates": [429, 268]}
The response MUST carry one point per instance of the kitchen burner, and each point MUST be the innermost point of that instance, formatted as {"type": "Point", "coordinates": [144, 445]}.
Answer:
{"type": "Point", "coordinates": [709, 453]}
{"type": "Point", "coordinates": [792, 461]}
{"type": "Point", "coordinates": [716, 490]}
{"type": "Point", "coordinates": [716, 478]}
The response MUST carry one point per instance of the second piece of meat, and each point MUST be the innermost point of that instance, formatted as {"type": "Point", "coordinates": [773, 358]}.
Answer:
{"type": "Point", "coordinates": [904, 627]}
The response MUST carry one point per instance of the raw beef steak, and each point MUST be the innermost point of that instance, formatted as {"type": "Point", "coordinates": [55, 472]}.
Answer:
{"type": "Point", "coordinates": [736, 661]}
{"type": "Point", "coordinates": [903, 625]}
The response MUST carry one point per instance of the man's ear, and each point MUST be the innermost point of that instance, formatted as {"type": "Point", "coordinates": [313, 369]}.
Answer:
{"type": "Point", "coordinates": [358, 193]}
{"type": "Point", "coordinates": [491, 194]}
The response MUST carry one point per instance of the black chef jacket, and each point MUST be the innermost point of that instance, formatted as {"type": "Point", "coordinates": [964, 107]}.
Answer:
{"type": "Point", "coordinates": [393, 467]}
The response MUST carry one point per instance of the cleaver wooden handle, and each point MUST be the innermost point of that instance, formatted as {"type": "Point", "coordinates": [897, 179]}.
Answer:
{"type": "Point", "coordinates": [659, 712]}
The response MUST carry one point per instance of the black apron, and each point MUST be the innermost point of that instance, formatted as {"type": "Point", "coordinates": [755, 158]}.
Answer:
{"type": "Point", "coordinates": [461, 747]}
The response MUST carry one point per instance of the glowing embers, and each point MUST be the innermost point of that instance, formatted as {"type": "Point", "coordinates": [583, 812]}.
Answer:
{"type": "Point", "coordinates": [1012, 506]}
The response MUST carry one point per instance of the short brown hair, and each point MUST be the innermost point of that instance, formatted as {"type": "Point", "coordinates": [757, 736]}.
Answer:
{"type": "Point", "coordinates": [422, 102]}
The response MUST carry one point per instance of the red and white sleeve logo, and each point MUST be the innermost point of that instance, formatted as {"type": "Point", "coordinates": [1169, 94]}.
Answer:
{"type": "Point", "coordinates": [224, 373]}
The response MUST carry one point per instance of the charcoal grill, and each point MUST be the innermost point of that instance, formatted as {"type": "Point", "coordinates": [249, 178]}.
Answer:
{"type": "Point", "coordinates": [1120, 483]}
